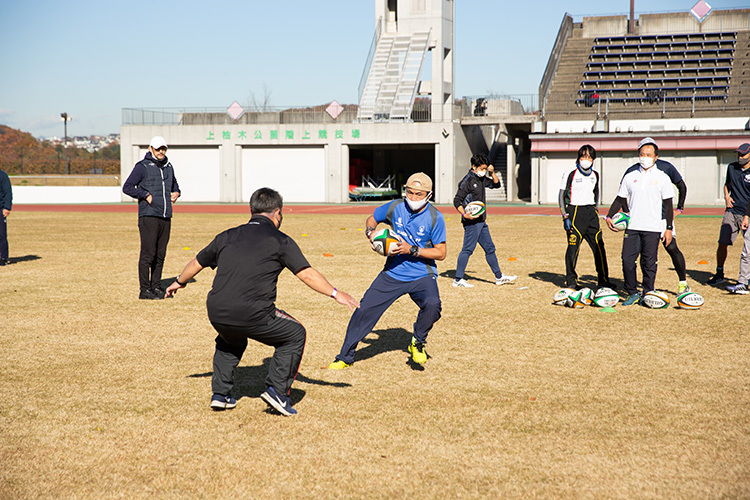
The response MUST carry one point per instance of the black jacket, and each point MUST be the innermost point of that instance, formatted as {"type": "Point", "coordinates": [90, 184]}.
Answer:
{"type": "Point", "coordinates": [6, 194]}
{"type": "Point", "coordinates": [151, 177]}
{"type": "Point", "coordinates": [472, 188]}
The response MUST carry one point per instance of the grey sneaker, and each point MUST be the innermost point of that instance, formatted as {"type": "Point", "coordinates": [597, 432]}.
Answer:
{"type": "Point", "coordinates": [505, 279]}
{"type": "Point", "coordinates": [462, 283]}
{"type": "Point", "coordinates": [739, 289]}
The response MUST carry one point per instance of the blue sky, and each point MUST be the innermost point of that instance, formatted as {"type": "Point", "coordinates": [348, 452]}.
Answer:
{"type": "Point", "coordinates": [91, 59]}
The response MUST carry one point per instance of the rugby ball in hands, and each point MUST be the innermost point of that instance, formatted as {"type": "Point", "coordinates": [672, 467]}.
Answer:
{"type": "Point", "coordinates": [655, 300]}
{"type": "Point", "coordinates": [689, 300]}
{"type": "Point", "coordinates": [561, 296]}
{"type": "Point", "coordinates": [606, 297]}
{"type": "Point", "coordinates": [475, 208]}
{"type": "Point", "coordinates": [385, 241]}
{"type": "Point", "coordinates": [621, 220]}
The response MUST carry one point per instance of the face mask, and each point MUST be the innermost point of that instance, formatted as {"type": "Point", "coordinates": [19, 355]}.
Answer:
{"type": "Point", "coordinates": [480, 173]}
{"type": "Point", "coordinates": [417, 205]}
{"type": "Point", "coordinates": [743, 161]}
{"type": "Point", "coordinates": [585, 164]}
{"type": "Point", "coordinates": [281, 218]}
{"type": "Point", "coordinates": [646, 162]}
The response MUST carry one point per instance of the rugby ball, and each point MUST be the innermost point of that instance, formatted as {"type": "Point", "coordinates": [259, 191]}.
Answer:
{"type": "Point", "coordinates": [475, 208]}
{"type": "Point", "coordinates": [606, 297]}
{"type": "Point", "coordinates": [586, 296]}
{"type": "Point", "coordinates": [385, 241]}
{"type": "Point", "coordinates": [576, 300]}
{"type": "Point", "coordinates": [621, 220]}
{"type": "Point", "coordinates": [561, 296]}
{"type": "Point", "coordinates": [655, 300]}
{"type": "Point", "coordinates": [689, 300]}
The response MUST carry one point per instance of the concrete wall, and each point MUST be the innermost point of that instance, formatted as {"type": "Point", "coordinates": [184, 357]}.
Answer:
{"type": "Point", "coordinates": [24, 195]}
{"type": "Point", "coordinates": [704, 173]}
{"type": "Point", "coordinates": [212, 162]}
{"type": "Point", "coordinates": [605, 26]}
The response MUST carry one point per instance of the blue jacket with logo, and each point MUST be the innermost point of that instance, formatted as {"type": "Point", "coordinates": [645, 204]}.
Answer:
{"type": "Point", "coordinates": [424, 229]}
{"type": "Point", "coordinates": [151, 177]}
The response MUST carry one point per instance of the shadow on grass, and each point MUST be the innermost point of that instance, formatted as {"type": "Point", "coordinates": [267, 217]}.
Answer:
{"type": "Point", "coordinates": [451, 273]}
{"type": "Point", "coordinates": [391, 339]}
{"type": "Point", "coordinates": [165, 282]}
{"type": "Point", "coordinates": [23, 258]}
{"type": "Point", "coordinates": [250, 381]}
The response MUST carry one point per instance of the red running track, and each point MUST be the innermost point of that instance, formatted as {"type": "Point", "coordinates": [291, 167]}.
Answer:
{"type": "Point", "coordinates": [347, 209]}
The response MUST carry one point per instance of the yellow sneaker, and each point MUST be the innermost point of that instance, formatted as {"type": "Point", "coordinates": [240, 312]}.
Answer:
{"type": "Point", "coordinates": [682, 287]}
{"type": "Point", "coordinates": [418, 354]}
{"type": "Point", "coordinates": [338, 365]}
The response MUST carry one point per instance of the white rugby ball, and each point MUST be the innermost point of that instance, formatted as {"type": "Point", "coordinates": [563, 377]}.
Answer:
{"type": "Point", "coordinates": [385, 241]}
{"type": "Point", "coordinates": [561, 296]}
{"type": "Point", "coordinates": [655, 300]}
{"type": "Point", "coordinates": [621, 220]}
{"type": "Point", "coordinates": [690, 300]}
{"type": "Point", "coordinates": [606, 297]}
{"type": "Point", "coordinates": [475, 208]}
{"type": "Point", "coordinates": [586, 296]}
{"type": "Point", "coordinates": [576, 300]}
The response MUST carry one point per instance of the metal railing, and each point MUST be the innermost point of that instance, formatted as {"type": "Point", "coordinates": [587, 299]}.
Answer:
{"type": "Point", "coordinates": [603, 104]}
{"type": "Point", "coordinates": [370, 56]}
{"type": "Point", "coordinates": [499, 105]}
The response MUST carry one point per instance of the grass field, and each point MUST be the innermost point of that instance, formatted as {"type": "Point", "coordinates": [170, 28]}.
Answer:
{"type": "Point", "coordinates": [107, 396]}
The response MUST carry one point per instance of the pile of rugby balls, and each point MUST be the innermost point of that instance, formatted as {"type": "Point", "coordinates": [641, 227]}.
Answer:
{"type": "Point", "coordinates": [578, 299]}
{"type": "Point", "coordinates": [385, 241]}
{"type": "Point", "coordinates": [475, 208]}
{"type": "Point", "coordinates": [660, 300]}
{"type": "Point", "coordinates": [621, 220]}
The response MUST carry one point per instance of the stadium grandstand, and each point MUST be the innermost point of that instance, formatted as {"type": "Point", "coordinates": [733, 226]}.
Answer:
{"type": "Point", "coordinates": [680, 77]}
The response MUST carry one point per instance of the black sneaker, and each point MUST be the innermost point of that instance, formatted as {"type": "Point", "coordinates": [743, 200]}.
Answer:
{"type": "Point", "coordinates": [147, 295]}
{"type": "Point", "coordinates": [606, 284]}
{"type": "Point", "coordinates": [4, 262]}
{"type": "Point", "coordinates": [158, 292]}
{"type": "Point", "coordinates": [716, 279]}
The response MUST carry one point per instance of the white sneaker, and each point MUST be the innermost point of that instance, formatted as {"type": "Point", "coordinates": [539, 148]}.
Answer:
{"type": "Point", "coordinates": [505, 279]}
{"type": "Point", "coordinates": [462, 283]}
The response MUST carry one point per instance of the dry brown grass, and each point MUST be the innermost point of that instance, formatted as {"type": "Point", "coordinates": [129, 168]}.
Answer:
{"type": "Point", "coordinates": [107, 396]}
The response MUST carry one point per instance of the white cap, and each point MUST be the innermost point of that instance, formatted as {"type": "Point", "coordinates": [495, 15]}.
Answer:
{"type": "Point", "coordinates": [647, 140]}
{"type": "Point", "coordinates": [158, 142]}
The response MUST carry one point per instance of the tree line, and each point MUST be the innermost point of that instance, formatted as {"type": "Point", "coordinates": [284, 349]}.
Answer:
{"type": "Point", "coordinates": [22, 154]}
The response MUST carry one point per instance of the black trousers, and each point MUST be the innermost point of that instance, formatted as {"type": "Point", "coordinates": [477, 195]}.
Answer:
{"type": "Point", "coordinates": [282, 331]}
{"type": "Point", "coordinates": [585, 226]}
{"type": "Point", "coordinates": [645, 244]}
{"type": "Point", "coordinates": [3, 238]}
{"type": "Point", "coordinates": [678, 260]}
{"type": "Point", "coordinates": [154, 238]}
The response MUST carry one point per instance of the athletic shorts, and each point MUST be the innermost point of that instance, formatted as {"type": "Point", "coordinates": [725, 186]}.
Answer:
{"type": "Point", "coordinates": [664, 228]}
{"type": "Point", "coordinates": [730, 228]}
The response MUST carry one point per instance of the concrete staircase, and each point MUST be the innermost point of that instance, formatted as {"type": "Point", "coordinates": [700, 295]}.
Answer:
{"type": "Point", "coordinates": [393, 77]}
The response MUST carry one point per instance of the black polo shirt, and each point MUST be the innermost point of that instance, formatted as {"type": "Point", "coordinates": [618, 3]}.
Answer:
{"type": "Point", "coordinates": [248, 260]}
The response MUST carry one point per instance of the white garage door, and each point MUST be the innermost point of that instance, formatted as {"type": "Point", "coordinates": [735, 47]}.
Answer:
{"type": "Point", "coordinates": [297, 173]}
{"type": "Point", "coordinates": [198, 172]}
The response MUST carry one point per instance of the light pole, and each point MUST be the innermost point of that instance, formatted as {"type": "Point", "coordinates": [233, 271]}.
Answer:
{"type": "Point", "coordinates": [65, 120]}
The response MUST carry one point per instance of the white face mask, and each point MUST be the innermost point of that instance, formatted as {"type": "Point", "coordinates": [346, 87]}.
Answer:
{"type": "Point", "coordinates": [585, 164]}
{"type": "Point", "coordinates": [417, 205]}
{"type": "Point", "coordinates": [480, 173]}
{"type": "Point", "coordinates": [646, 162]}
